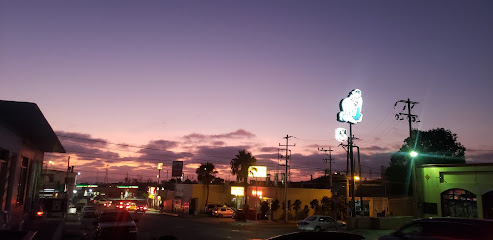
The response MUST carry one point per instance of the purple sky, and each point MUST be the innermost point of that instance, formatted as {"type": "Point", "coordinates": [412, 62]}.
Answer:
{"type": "Point", "coordinates": [199, 80]}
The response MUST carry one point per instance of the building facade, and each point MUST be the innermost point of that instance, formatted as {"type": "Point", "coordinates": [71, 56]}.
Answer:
{"type": "Point", "coordinates": [25, 136]}
{"type": "Point", "coordinates": [455, 190]}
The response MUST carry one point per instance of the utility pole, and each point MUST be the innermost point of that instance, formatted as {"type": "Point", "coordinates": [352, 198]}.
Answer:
{"type": "Point", "coordinates": [330, 163]}
{"type": "Point", "coordinates": [66, 187]}
{"type": "Point", "coordinates": [410, 117]}
{"type": "Point", "coordinates": [286, 177]}
{"type": "Point", "coordinates": [106, 175]}
{"type": "Point", "coordinates": [413, 139]}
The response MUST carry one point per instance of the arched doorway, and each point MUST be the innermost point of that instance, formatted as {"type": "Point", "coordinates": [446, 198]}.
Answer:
{"type": "Point", "coordinates": [459, 203]}
{"type": "Point", "coordinates": [488, 205]}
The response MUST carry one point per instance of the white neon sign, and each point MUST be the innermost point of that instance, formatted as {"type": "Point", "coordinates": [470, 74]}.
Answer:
{"type": "Point", "coordinates": [351, 108]}
{"type": "Point", "coordinates": [257, 171]}
{"type": "Point", "coordinates": [341, 135]}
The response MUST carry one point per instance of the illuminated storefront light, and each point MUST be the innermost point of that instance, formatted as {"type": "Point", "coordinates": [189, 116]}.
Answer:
{"type": "Point", "coordinates": [237, 191]}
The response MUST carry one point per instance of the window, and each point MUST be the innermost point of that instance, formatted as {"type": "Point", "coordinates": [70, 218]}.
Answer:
{"type": "Point", "coordinates": [459, 203]}
{"type": "Point", "coordinates": [22, 181]}
{"type": "Point", "coordinates": [4, 158]}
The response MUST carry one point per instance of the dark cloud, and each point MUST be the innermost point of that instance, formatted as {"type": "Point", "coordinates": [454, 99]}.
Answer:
{"type": "Point", "coordinates": [240, 133]}
{"type": "Point", "coordinates": [269, 149]}
{"type": "Point", "coordinates": [81, 138]}
{"type": "Point", "coordinates": [376, 148]}
{"type": "Point", "coordinates": [160, 145]}
{"type": "Point", "coordinates": [218, 143]}
{"type": "Point", "coordinates": [89, 153]}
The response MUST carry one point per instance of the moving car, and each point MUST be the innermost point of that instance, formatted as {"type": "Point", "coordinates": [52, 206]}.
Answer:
{"type": "Point", "coordinates": [116, 224]}
{"type": "Point", "coordinates": [99, 200]}
{"type": "Point", "coordinates": [89, 211]}
{"type": "Point", "coordinates": [141, 208]}
{"type": "Point", "coordinates": [317, 236]}
{"type": "Point", "coordinates": [318, 223]}
{"type": "Point", "coordinates": [223, 212]}
{"type": "Point", "coordinates": [444, 228]}
{"type": "Point", "coordinates": [210, 207]}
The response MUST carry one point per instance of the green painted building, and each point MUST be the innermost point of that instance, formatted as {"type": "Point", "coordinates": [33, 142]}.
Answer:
{"type": "Point", "coordinates": [455, 190]}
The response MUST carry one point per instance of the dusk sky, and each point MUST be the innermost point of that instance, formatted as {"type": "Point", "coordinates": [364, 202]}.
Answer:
{"type": "Point", "coordinates": [134, 83]}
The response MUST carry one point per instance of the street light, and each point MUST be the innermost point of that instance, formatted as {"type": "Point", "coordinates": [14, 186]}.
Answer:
{"type": "Point", "coordinates": [356, 178]}
{"type": "Point", "coordinates": [413, 155]}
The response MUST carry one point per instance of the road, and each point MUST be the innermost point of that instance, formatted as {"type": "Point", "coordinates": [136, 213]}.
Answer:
{"type": "Point", "coordinates": [153, 225]}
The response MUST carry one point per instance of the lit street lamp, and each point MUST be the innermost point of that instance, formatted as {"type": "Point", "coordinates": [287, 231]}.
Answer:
{"type": "Point", "coordinates": [413, 155]}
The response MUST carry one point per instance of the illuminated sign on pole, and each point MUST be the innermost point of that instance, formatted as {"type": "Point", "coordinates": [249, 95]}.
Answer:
{"type": "Point", "coordinates": [351, 108]}
{"type": "Point", "coordinates": [257, 171]}
{"type": "Point", "coordinates": [341, 135]}
{"type": "Point", "coordinates": [238, 191]}
{"type": "Point", "coordinates": [160, 166]}
{"type": "Point", "coordinates": [177, 169]}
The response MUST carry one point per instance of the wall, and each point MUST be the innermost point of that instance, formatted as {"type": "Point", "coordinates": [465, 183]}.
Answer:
{"type": "Point", "coordinates": [433, 180]}
{"type": "Point", "coordinates": [19, 148]}
{"type": "Point", "coordinates": [401, 206]}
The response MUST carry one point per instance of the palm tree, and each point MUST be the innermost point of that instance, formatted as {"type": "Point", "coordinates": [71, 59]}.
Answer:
{"type": "Point", "coordinates": [239, 167]}
{"type": "Point", "coordinates": [205, 174]}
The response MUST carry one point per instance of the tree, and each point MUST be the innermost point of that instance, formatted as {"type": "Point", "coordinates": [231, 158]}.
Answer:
{"type": "Point", "coordinates": [205, 174]}
{"type": "Point", "coordinates": [264, 208]}
{"type": "Point", "coordinates": [297, 207]}
{"type": "Point", "coordinates": [239, 167]}
{"type": "Point", "coordinates": [315, 206]}
{"type": "Point", "coordinates": [325, 205]}
{"type": "Point", "coordinates": [274, 207]}
{"type": "Point", "coordinates": [436, 146]}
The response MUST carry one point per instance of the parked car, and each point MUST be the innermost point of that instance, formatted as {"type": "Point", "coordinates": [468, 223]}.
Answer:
{"type": "Point", "coordinates": [116, 224]}
{"type": "Point", "coordinates": [318, 223]}
{"type": "Point", "coordinates": [318, 236]}
{"type": "Point", "coordinates": [223, 212]}
{"type": "Point", "coordinates": [444, 228]}
{"type": "Point", "coordinates": [210, 207]}
{"type": "Point", "coordinates": [89, 211]}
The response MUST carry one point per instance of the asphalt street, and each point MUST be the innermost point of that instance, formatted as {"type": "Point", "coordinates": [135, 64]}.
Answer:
{"type": "Point", "coordinates": [153, 225]}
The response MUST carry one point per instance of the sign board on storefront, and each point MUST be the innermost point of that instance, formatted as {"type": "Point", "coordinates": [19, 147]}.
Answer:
{"type": "Point", "coordinates": [238, 191]}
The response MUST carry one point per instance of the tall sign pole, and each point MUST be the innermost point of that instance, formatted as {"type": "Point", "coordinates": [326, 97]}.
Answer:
{"type": "Point", "coordinates": [350, 112]}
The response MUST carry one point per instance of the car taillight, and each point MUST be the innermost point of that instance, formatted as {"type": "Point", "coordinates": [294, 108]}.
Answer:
{"type": "Point", "coordinates": [145, 208]}
{"type": "Point", "coordinates": [104, 204]}
{"type": "Point", "coordinates": [39, 213]}
{"type": "Point", "coordinates": [127, 206]}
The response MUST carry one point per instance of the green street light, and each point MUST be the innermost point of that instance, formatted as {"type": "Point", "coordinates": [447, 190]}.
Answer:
{"type": "Point", "coordinates": [413, 154]}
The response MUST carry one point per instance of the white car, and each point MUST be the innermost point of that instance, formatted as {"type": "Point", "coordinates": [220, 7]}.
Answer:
{"type": "Point", "coordinates": [318, 223]}
{"type": "Point", "coordinates": [223, 212]}
{"type": "Point", "coordinates": [101, 201]}
{"type": "Point", "coordinates": [116, 224]}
